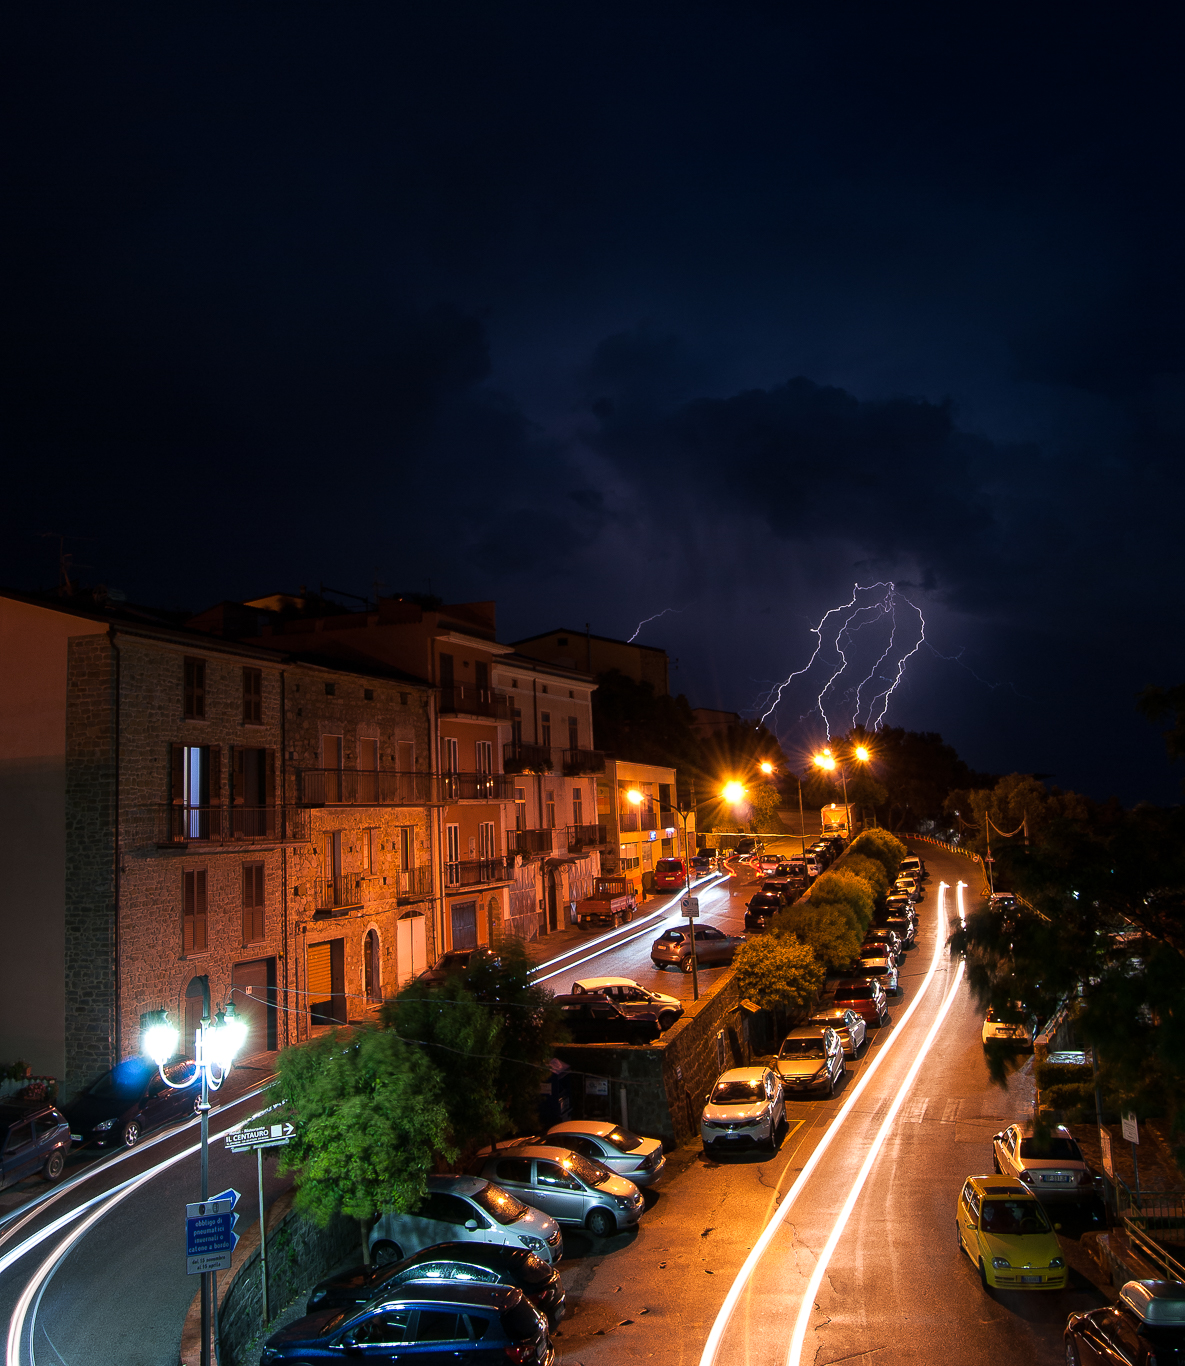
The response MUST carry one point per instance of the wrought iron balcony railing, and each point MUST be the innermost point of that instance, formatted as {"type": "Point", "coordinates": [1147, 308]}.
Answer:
{"type": "Point", "coordinates": [477, 872]}
{"type": "Point", "coordinates": [584, 761]}
{"type": "Point", "coordinates": [529, 842]}
{"type": "Point", "coordinates": [180, 824]}
{"type": "Point", "coordinates": [463, 699]}
{"type": "Point", "coordinates": [586, 837]}
{"type": "Point", "coordinates": [367, 787]}
{"type": "Point", "coordinates": [523, 758]}
{"type": "Point", "coordinates": [476, 787]}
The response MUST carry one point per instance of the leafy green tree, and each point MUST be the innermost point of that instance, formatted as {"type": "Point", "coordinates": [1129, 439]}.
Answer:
{"type": "Point", "coordinates": [873, 872]}
{"type": "Point", "coordinates": [530, 1027]}
{"type": "Point", "coordinates": [778, 974]}
{"type": "Point", "coordinates": [462, 1039]}
{"type": "Point", "coordinates": [369, 1120]}
{"type": "Point", "coordinates": [827, 929]}
{"type": "Point", "coordinates": [851, 895]}
{"type": "Point", "coordinates": [765, 800]}
{"type": "Point", "coordinates": [880, 845]}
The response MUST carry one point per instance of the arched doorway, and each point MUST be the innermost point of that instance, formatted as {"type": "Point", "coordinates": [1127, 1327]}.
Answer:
{"type": "Point", "coordinates": [370, 967]}
{"type": "Point", "coordinates": [197, 1004]}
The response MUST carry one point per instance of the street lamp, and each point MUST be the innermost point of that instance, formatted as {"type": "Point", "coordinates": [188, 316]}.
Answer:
{"type": "Point", "coordinates": [828, 762]}
{"type": "Point", "coordinates": [215, 1045]}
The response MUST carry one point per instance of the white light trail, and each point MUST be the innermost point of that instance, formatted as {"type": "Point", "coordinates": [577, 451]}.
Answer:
{"type": "Point", "coordinates": [794, 1355]}
{"type": "Point", "coordinates": [959, 899]}
{"type": "Point", "coordinates": [712, 1345]}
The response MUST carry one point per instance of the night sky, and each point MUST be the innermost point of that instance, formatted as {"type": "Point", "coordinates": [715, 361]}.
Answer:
{"type": "Point", "coordinates": [600, 310]}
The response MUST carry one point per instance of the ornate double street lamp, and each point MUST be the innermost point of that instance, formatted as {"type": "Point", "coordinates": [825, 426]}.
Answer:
{"type": "Point", "coordinates": [215, 1045]}
{"type": "Point", "coordinates": [829, 763]}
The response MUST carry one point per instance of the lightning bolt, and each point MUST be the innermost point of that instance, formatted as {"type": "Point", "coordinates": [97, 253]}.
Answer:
{"type": "Point", "coordinates": [655, 617]}
{"type": "Point", "coordinates": [958, 659]}
{"type": "Point", "coordinates": [855, 618]}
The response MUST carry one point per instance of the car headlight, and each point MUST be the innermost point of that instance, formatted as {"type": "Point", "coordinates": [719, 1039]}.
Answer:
{"type": "Point", "coordinates": [1057, 1264]}
{"type": "Point", "coordinates": [821, 1073]}
{"type": "Point", "coordinates": [529, 1240]}
{"type": "Point", "coordinates": [1001, 1264]}
{"type": "Point", "coordinates": [104, 1124]}
{"type": "Point", "coordinates": [625, 1201]}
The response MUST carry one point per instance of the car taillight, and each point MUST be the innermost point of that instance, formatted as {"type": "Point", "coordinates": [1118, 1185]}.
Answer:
{"type": "Point", "coordinates": [521, 1351]}
{"type": "Point", "coordinates": [1027, 1178]}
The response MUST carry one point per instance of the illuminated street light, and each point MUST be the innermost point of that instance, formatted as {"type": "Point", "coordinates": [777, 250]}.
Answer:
{"type": "Point", "coordinates": [767, 768]}
{"type": "Point", "coordinates": [634, 796]}
{"type": "Point", "coordinates": [733, 793]}
{"type": "Point", "coordinates": [862, 754]}
{"type": "Point", "coordinates": [215, 1045]}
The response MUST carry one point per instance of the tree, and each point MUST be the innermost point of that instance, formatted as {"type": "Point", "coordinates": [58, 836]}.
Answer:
{"type": "Point", "coordinates": [880, 845]}
{"type": "Point", "coordinates": [369, 1119]}
{"type": "Point", "coordinates": [873, 872]}
{"type": "Point", "coordinates": [851, 895]}
{"type": "Point", "coordinates": [827, 930]}
{"type": "Point", "coordinates": [765, 801]}
{"type": "Point", "coordinates": [779, 974]}
{"type": "Point", "coordinates": [462, 1039]}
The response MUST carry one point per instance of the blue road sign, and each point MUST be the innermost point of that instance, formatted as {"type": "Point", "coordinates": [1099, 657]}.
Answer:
{"type": "Point", "coordinates": [210, 1235]}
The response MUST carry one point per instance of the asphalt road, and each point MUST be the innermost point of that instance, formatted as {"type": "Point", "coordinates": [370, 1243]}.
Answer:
{"type": "Point", "coordinates": [895, 1288]}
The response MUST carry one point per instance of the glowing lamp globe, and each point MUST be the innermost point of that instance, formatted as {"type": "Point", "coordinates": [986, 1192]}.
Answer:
{"type": "Point", "coordinates": [733, 792]}
{"type": "Point", "coordinates": [160, 1042]}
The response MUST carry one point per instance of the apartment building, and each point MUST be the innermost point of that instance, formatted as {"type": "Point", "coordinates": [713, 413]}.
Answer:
{"type": "Point", "coordinates": [598, 654]}
{"type": "Point", "coordinates": [637, 803]}
{"type": "Point", "coordinates": [189, 820]}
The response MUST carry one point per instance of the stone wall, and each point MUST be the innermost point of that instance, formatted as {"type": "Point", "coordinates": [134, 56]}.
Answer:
{"type": "Point", "coordinates": [91, 1040]}
{"type": "Point", "coordinates": [666, 1082]}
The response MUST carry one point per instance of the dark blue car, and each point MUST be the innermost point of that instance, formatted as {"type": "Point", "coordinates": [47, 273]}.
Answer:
{"type": "Point", "coordinates": [422, 1325]}
{"type": "Point", "coordinates": [33, 1137]}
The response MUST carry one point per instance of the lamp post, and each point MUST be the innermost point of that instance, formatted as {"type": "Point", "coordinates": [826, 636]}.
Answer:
{"type": "Point", "coordinates": [827, 761]}
{"type": "Point", "coordinates": [684, 812]}
{"type": "Point", "coordinates": [215, 1045]}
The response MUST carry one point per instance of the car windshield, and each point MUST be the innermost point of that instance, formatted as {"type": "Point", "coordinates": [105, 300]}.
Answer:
{"type": "Point", "coordinates": [803, 1048]}
{"type": "Point", "coordinates": [736, 1093]}
{"type": "Point", "coordinates": [622, 1139]}
{"type": "Point", "coordinates": [590, 1172]}
{"type": "Point", "coordinates": [1051, 1149]}
{"type": "Point", "coordinates": [672, 937]}
{"type": "Point", "coordinates": [128, 1079]}
{"type": "Point", "coordinates": [503, 1206]}
{"type": "Point", "coordinates": [1013, 1216]}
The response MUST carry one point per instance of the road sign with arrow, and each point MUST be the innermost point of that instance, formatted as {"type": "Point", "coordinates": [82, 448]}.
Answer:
{"type": "Point", "coordinates": [264, 1136]}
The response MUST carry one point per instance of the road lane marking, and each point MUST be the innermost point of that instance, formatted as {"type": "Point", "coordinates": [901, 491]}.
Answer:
{"type": "Point", "coordinates": [712, 1345]}
{"type": "Point", "coordinates": [802, 1323]}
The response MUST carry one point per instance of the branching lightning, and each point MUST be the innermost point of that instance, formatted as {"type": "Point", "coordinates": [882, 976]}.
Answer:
{"type": "Point", "coordinates": [655, 617]}
{"type": "Point", "coordinates": [892, 660]}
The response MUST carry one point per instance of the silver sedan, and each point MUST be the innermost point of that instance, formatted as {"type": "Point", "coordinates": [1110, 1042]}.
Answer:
{"type": "Point", "coordinates": [847, 1024]}
{"type": "Point", "coordinates": [713, 948]}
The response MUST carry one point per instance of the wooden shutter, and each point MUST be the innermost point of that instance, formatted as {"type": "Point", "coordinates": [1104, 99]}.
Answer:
{"type": "Point", "coordinates": [238, 776]}
{"type": "Point", "coordinates": [193, 915]}
{"type": "Point", "coordinates": [177, 774]}
{"type": "Point", "coordinates": [253, 889]}
{"type": "Point", "coordinates": [320, 971]}
{"type": "Point", "coordinates": [214, 769]}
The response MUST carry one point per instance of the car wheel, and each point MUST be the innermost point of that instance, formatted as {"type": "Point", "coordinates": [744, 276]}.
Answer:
{"type": "Point", "coordinates": [55, 1164]}
{"type": "Point", "coordinates": [601, 1224]}
{"type": "Point", "coordinates": [685, 964]}
{"type": "Point", "coordinates": [996, 1163]}
{"type": "Point", "coordinates": [384, 1252]}
{"type": "Point", "coordinates": [131, 1134]}
{"type": "Point", "coordinates": [830, 1085]}
{"type": "Point", "coordinates": [1071, 1353]}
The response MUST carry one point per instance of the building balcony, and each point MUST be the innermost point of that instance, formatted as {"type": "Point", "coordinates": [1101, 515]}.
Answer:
{"type": "Point", "coordinates": [477, 873]}
{"type": "Point", "coordinates": [180, 825]}
{"type": "Point", "coordinates": [411, 884]}
{"type": "Point", "coordinates": [529, 842]}
{"type": "Point", "coordinates": [463, 699]}
{"type": "Point", "coordinates": [577, 761]}
{"type": "Point", "coordinates": [366, 787]}
{"type": "Point", "coordinates": [586, 837]}
{"type": "Point", "coordinates": [476, 787]}
{"type": "Point", "coordinates": [342, 894]}
{"type": "Point", "coordinates": [523, 758]}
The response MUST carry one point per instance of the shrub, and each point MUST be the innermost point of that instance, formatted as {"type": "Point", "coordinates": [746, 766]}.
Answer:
{"type": "Point", "coordinates": [872, 871]}
{"type": "Point", "coordinates": [824, 927]}
{"type": "Point", "coordinates": [851, 894]}
{"type": "Point", "coordinates": [880, 845]}
{"type": "Point", "coordinates": [778, 973]}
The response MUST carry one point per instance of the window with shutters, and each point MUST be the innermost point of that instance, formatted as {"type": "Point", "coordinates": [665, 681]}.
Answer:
{"type": "Point", "coordinates": [450, 760]}
{"type": "Point", "coordinates": [407, 848]}
{"type": "Point", "coordinates": [253, 793]}
{"type": "Point", "coordinates": [520, 808]}
{"type": "Point", "coordinates": [551, 810]}
{"type": "Point", "coordinates": [195, 690]}
{"type": "Point", "coordinates": [253, 929]}
{"type": "Point", "coordinates": [193, 912]}
{"type": "Point", "coordinates": [545, 727]}
{"type": "Point", "coordinates": [253, 697]}
{"type": "Point", "coordinates": [453, 856]}
{"type": "Point", "coordinates": [405, 752]}
{"type": "Point", "coordinates": [195, 783]}
{"type": "Point", "coordinates": [366, 846]}
{"type": "Point", "coordinates": [484, 756]}
{"type": "Point", "coordinates": [577, 806]}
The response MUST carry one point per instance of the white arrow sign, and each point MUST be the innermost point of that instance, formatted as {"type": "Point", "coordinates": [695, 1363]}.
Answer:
{"type": "Point", "coordinates": [271, 1136]}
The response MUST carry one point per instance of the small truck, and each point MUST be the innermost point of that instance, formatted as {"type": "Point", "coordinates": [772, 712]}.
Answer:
{"type": "Point", "coordinates": [612, 903]}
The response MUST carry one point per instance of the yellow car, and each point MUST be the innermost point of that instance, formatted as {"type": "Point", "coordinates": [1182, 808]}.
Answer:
{"type": "Point", "coordinates": [1003, 1229]}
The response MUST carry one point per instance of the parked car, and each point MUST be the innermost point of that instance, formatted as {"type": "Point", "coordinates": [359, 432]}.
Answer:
{"type": "Point", "coordinates": [881, 966]}
{"type": "Point", "coordinates": [594, 1018]}
{"type": "Point", "coordinates": [456, 960]}
{"type": "Point", "coordinates": [1003, 1229]}
{"type": "Point", "coordinates": [1051, 1164]}
{"type": "Point", "coordinates": [745, 1108]}
{"type": "Point", "coordinates": [790, 888]}
{"type": "Point", "coordinates": [702, 863]}
{"type": "Point", "coordinates": [914, 867]}
{"type": "Point", "coordinates": [811, 1056]}
{"type": "Point", "coordinates": [571, 1188]}
{"type": "Point", "coordinates": [762, 908]}
{"type": "Point", "coordinates": [764, 864]}
{"type": "Point", "coordinates": [464, 1263]}
{"type": "Point", "coordinates": [712, 948]}
{"type": "Point", "coordinates": [865, 996]}
{"type": "Point", "coordinates": [670, 874]}
{"type": "Point", "coordinates": [128, 1101]}
{"type": "Point", "coordinates": [886, 936]}
{"type": "Point", "coordinates": [904, 926]}
{"type": "Point", "coordinates": [475, 1324]}
{"type": "Point", "coordinates": [847, 1024]}
{"type": "Point", "coordinates": [1007, 1027]}
{"type": "Point", "coordinates": [633, 1000]}
{"type": "Point", "coordinates": [466, 1209]}
{"type": "Point", "coordinates": [748, 845]}
{"type": "Point", "coordinates": [1145, 1326]}
{"type": "Point", "coordinates": [907, 886]}
{"type": "Point", "coordinates": [628, 1154]}
{"type": "Point", "coordinates": [34, 1137]}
